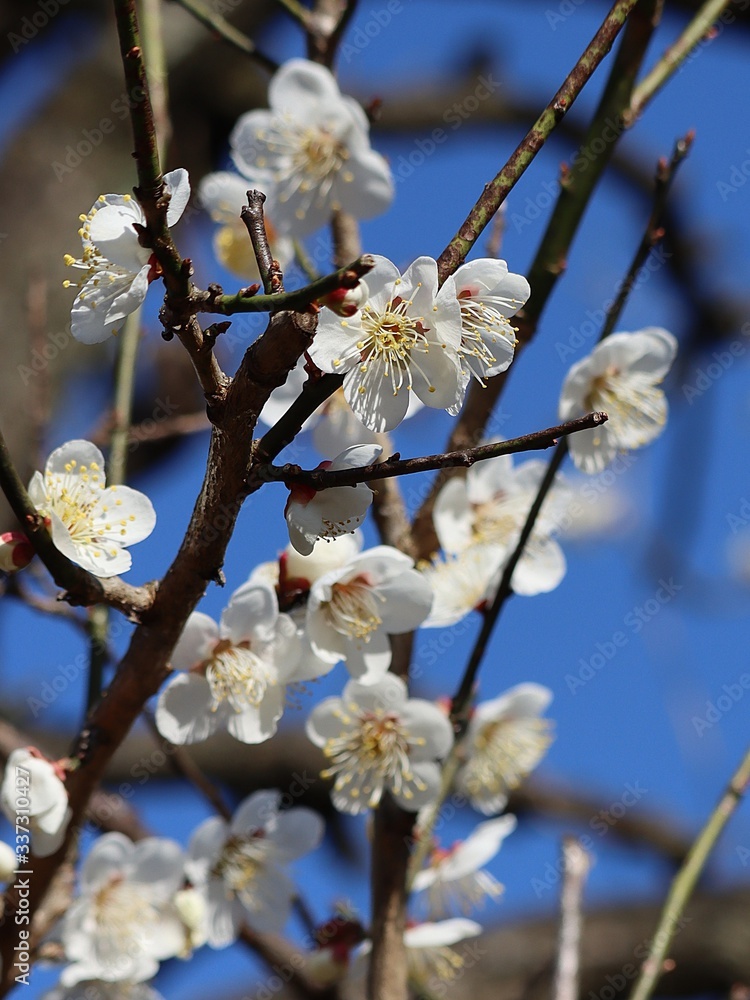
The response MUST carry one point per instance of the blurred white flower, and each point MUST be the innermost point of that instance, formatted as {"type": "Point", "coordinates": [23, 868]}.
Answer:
{"type": "Point", "coordinates": [505, 741]}
{"type": "Point", "coordinates": [124, 922]}
{"type": "Point", "coordinates": [233, 674]}
{"type": "Point", "coordinates": [489, 507]}
{"type": "Point", "coordinates": [621, 376]}
{"type": "Point", "coordinates": [455, 879]}
{"type": "Point", "coordinates": [312, 514]}
{"type": "Point", "coordinates": [89, 522]}
{"type": "Point", "coordinates": [403, 339]}
{"type": "Point", "coordinates": [117, 268]}
{"type": "Point", "coordinates": [462, 582]}
{"type": "Point", "coordinates": [430, 958]}
{"type": "Point", "coordinates": [378, 739]}
{"type": "Point", "coordinates": [35, 800]}
{"type": "Point", "coordinates": [312, 149]}
{"type": "Point", "coordinates": [224, 195]}
{"type": "Point", "coordinates": [352, 610]}
{"type": "Point", "coordinates": [239, 866]}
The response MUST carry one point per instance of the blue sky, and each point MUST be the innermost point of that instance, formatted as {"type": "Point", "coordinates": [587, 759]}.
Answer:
{"type": "Point", "coordinates": [633, 722]}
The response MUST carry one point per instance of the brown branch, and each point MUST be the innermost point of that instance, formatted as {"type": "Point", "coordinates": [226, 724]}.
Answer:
{"type": "Point", "coordinates": [322, 479]}
{"type": "Point", "coordinates": [252, 216]}
{"type": "Point", "coordinates": [145, 663]}
{"type": "Point", "coordinates": [225, 30]}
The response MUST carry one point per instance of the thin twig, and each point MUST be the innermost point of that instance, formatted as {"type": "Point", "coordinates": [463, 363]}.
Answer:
{"type": "Point", "coordinates": [226, 30]}
{"type": "Point", "coordinates": [463, 695]}
{"type": "Point", "coordinates": [686, 878]}
{"type": "Point", "coordinates": [268, 268]}
{"type": "Point", "coordinates": [497, 190]}
{"type": "Point", "coordinates": [182, 763]}
{"type": "Point", "coordinates": [322, 479]}
{"type": "Point", "coordinates": [298, 300]}
{"type": "Point", "coordinates": [674, 56]}
{"type": "Point", "coordinates": [576, 191]}
{"type": "Point", "coordinates": [576, 864]}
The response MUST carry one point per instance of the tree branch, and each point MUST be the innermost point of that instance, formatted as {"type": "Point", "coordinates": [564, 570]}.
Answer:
{"type": "Point", "coordinates": [322, 479]}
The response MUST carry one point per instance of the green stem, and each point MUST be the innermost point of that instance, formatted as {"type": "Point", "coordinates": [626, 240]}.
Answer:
{"type": "Point", "coordinates": [674, 56]}
{"type": "Point", "coordinates": [297, 300]}
{"type": "Point", "coordinates": [424, 844]}
{"type": "Point", "coordinates": [498, 189]}
{"type": "Point", "coordinates": [686, 878]}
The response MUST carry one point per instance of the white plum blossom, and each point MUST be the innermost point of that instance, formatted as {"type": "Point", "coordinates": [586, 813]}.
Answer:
{"type": "Point", "coordinates": [117, 268]}
{"type": "Point", "coordinates": [224, 195]}
{"type": "Point", "coordinates": [504, 742]}
{"type": "Point", "coordinates": [240, 866]}
{"type": "Point", "coordinates": [429, 955]}
{"type": "Point", "coordinates": [124, 922]}
{"type": "Point", "coordinates": [377, 739]}
{"type": "Point", "coordinates": [404, 338]}
{"type": "Point", "coordinates": [312, 514]}
{"type": "Point", "coordinates": [35, 800]}
{"type": "Point", "coordinates": [489, 507]}
{"type": "Point", "coordinates": [462, 582]}
{"type": "Point", "coordinates": [622, 376]}
{"type": "Point", "coordinates": [312, 151]}
{"type": "Point", "coordinates": [233, 674]}
{"type": "Point", "coordinates": [328, 554]}
{"type": "Point", "coordinates": [352, 610]}
{"type": "Point", "coordinates": [489, 295]}
{"type": "Point", "coordinates": [454, 878]}
{"type": "Point", "coordinates": [90, 523]}
{"type": "Point", "coordinates": [429, 952]}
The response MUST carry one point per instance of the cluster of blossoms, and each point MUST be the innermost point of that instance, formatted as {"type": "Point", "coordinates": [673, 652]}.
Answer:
{"type": "Point", "coordinates": [401, 341]}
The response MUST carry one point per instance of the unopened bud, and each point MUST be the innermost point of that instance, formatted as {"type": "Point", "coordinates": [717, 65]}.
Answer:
{"type": "Point", "coordinates": [16, 551]}
{"type": "Point", "coordinates": [346, 301]}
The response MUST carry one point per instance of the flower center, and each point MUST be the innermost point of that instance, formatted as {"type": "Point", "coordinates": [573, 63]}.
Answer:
{"type": "Point", "coordinates": [122, 917]}
{"type": "Point", "coordinates": [504, 752]}
{"type": "Point", "coordinates": [391, 339]}
{"type": "Point", "coordinates": [633, 399]}
{"type": "Point", "coordinates": [306, 162]}
{"type": "Point", "coordinates": [241, 861]}
{"type": "Point", "coordinates": [353, 608]}
{"type": "Point", "coordinates": [237, 675]}
{"type": "Point", "coordinates": [373, 749]}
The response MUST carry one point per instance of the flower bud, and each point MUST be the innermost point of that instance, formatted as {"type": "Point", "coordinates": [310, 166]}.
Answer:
{"type": "Point", "coordinates": [346, 301]}
{"type": "Point", "coordinates": [16, 551]}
